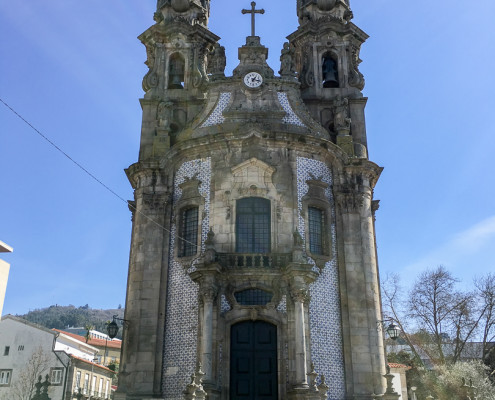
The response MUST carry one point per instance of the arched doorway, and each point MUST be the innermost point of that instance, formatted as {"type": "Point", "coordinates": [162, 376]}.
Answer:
{"type": "Point", "coordinates": [253, 361]}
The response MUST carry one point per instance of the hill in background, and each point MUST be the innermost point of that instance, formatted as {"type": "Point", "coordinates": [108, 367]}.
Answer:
{"type": "Point", "coordinates": [61, 317]}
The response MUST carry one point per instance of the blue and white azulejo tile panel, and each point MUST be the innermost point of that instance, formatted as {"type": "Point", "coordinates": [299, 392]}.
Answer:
{"type": "Point", "coordinates": [216, 117]}
{"type": "Point", "coordinates": [324, 308]}
{"type": "Point", "coordinates": [290, 116]}
{"type": "Point", "coordinates": [181, 326]}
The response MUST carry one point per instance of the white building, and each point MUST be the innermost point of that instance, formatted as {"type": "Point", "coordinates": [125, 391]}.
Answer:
{"type": "Point", "coordinates": [4, 273]}
{"type": "Point", "coordinates": [28, 351]}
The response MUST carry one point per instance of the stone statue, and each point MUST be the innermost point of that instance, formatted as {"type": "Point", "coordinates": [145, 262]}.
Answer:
{"type": "Point", "coordinates": [217, 62]}
{"type": "Point", "coordinates": [340, 112]}
{"type": "Point", "coordinates": [286, 63]}
{"type": "Point", "coordinates": [164, 115]}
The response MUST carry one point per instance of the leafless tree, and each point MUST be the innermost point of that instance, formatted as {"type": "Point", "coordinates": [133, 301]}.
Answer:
{"type": "Point", "coordinates": [23, 388]}
{"type": "Point", "coordinates": [394, 306]}
{"type": "Point", "coordinates": [485, 287]}
{"type": "Point", "coordinates": [436, 318]}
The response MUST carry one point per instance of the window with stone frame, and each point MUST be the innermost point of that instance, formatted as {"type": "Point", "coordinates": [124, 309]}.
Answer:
{"type": "Point", "coordinates": [5, 377]}
{"type": "Point", "coordinates": [188, 241]}
{"type": "Point", "coordinates": [56, 376]}
{"type": "Point", "coordinates": [317, 212]}
{"type": "Point", "coordinates": [86, 384]}
{"type": "Point", "coordinates": [253, 225]}
{"type": "Point", "coordinates": [6, 351]}
{"type": "Point", "coordinates": [316, 227]}
{"type": "Point", "coordinates": [78, 381]}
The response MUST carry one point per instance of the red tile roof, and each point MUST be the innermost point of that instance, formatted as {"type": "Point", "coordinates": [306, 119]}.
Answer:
{"type": "Point", "coordinates": [396, 365]}
{"type": "Point", "coordinates": [111, 344]}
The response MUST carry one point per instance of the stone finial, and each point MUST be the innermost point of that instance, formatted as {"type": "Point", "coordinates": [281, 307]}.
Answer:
{"type": "Point", "coordinates": [323, 388]}
{"type": "Point", "coordinates": [200, 392]}
{"type": "Point", "coordinates": [190, 392]}
{"type": "Point", "coordinates": [298, 240]}
{"type": "Point", "coordinates": [312, 375]}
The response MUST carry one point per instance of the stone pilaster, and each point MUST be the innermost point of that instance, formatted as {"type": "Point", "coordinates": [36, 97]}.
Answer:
{"type": "Point", "coordinates": [145, 301]}
{"type": "Point", "coordinates": [364, 348]}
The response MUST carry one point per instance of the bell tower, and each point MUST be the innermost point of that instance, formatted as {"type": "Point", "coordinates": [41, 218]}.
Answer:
{"type": "Point", "coordinates": [252, 269]}
{"type": "Point", "coordinates": [327, 46]}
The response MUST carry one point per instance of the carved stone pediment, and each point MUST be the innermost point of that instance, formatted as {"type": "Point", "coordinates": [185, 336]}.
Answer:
{"type": "Point", "coordinates": [253, 177]}
{"type": "Point", "coordinates": [190, 188]}
{"type": "Point", "coordinates": [316, 189]}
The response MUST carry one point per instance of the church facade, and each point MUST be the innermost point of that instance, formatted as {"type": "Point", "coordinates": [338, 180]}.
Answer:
{"type": "Point", "coordinates": [253, 268]}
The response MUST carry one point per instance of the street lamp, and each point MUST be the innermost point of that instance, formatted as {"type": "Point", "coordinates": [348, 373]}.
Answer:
{"type": "Point", "coordinates": [393, 331]}
{"type": "Point", "coordinates": [113, 328]}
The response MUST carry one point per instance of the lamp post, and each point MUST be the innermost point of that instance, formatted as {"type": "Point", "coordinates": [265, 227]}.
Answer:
{"type": "Point", "coordinates": [393, 332]}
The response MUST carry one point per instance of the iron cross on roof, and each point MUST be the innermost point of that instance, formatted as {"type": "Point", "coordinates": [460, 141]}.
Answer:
{"type": "Point", "coordinates": [253, 11]}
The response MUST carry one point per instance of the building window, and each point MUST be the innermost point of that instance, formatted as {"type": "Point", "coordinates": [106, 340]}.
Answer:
{"type": "Point", "coordinates": [253, 297]}
{"type": "Point", "coordinates": [107, 386]}
{"type": "Point", "coordinates": [56, 375]}
{"type": "Point", "coordinates": [93, 384]}
{"type": "Point", "coordinates": [86, 384]}
{"type": "Point", "coordinates": [316, 223]}
{"type": "Point", "coordinates": [100, 388]}
{"type": "Point", "coordinates": [78, 380]}
{"type": "Point", "coordinates": [6, 351]}
{"type": "Point", "coordinates": [189, 232]}
{"type": "Point", "coordinates": [5, 377]}
{"type": "Point", "coordinates": [253, 220]}
{"type": "Point", "coordinates": [20, 348]}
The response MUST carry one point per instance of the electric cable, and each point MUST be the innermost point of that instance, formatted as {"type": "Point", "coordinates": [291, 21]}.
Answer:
{"type": "Point", "coordinates": [89, 173]}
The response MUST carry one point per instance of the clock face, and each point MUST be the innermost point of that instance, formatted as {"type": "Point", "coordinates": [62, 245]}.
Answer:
{"type": "Point", "coordinates": [253, 80]}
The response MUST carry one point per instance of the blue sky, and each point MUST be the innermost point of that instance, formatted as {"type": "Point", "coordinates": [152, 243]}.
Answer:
{"type": "Point", "coordinates": [74, 68]}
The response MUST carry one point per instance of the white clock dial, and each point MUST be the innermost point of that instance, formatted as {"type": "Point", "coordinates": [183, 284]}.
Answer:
{"type": "Point", "coordinates": [253, 80]}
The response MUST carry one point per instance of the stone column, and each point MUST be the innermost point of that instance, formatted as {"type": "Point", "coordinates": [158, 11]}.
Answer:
{"type": "Point", "coordinates": [208, 295]}
{"type": "Point", "coordinates": [298, 296]}
{"type": "Point", "coordinates": [300, 276]}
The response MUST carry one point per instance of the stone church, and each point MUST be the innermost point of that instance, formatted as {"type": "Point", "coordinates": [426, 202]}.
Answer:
{"type": "Point", "coordinates": [253, 268]}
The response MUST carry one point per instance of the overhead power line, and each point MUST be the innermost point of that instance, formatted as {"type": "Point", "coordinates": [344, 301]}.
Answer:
{"type": "Point", "coordinates": [80, 166]}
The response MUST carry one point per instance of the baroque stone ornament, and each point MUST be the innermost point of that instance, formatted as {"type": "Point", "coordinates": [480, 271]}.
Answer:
{"type": "Point", "coordinates": [350, 202]}
{"type": "Point", "coordinates": [286, 62]}
{"type": "Point", "coordinates": [342, 122]}
{"type": "Point", "coordinates": [217, 62]}
{"type": "Point", "coordinates": [326, 5]}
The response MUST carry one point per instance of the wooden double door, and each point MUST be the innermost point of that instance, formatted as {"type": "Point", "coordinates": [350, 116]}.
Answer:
{"type": "Point", "coordinates": [253, 361]}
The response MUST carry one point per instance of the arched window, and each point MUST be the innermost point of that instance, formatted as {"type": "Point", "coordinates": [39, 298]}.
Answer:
{"type": "Point", "coordinates": [176, 71]}
{"type": "Point", "coordinates": [330, 72]}
{"type": "Point", "coordinates": [253, 220]}
{"type": "Point", "coordinates": [316, 226]}
{"type": "Point", "coordinates": [188, 232]}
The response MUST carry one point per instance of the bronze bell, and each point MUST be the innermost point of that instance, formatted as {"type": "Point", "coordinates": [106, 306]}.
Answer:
{"type": "Point", "coordinates": [330, 74]}
{"type": "Point", "coordinates": [175, 81]}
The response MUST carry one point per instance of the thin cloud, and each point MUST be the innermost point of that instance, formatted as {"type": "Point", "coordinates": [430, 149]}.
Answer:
{"type": "Point", "coordinates": [467, 250]}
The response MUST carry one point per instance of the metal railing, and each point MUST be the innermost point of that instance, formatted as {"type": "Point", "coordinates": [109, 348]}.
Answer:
{"type": "Point", "coordinates": [245, 260]}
